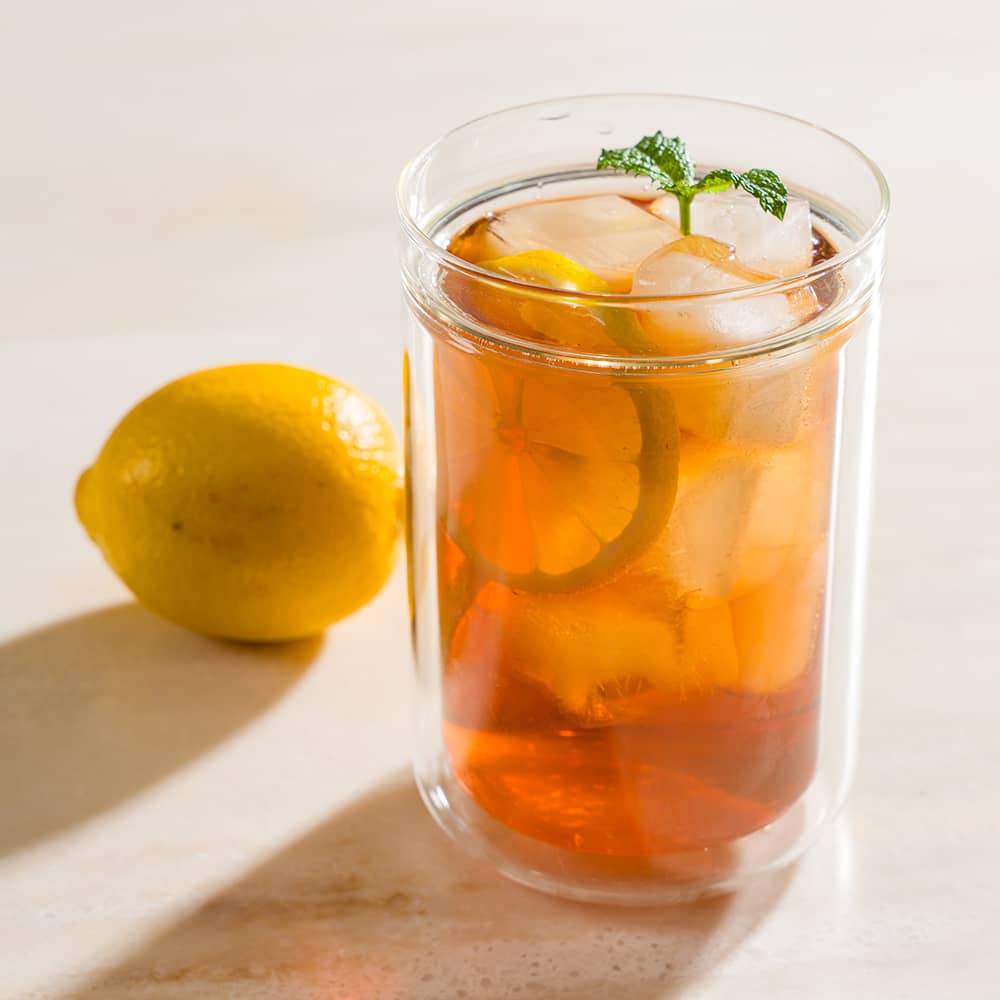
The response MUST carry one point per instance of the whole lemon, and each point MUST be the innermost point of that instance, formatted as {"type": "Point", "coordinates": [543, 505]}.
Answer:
{"type": "Point", "coordinates": [255, 502]}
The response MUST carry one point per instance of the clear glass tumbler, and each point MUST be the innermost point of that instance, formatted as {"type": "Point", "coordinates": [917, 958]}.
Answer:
{"type": "Point", "coordinates": [636, 574]}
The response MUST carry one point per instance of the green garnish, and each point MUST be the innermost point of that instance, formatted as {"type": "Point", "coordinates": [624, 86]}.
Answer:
{"type": "Point", "coordinates": [666, 163]}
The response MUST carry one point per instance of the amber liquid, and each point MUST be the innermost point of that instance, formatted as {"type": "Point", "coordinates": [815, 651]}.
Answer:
{"type": "Point", "coordinates": [647, 683]}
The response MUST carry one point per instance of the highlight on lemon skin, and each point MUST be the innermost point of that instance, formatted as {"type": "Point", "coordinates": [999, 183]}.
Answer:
{"type": "Point", "coordinates": [256, 502]}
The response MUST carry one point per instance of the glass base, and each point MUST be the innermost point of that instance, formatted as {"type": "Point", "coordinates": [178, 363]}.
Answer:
{"type": "Point", "coordinates": [674, 878]}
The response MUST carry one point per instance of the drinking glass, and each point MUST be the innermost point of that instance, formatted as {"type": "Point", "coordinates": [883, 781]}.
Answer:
{"type": "Point", "coordinates": [636, 577]}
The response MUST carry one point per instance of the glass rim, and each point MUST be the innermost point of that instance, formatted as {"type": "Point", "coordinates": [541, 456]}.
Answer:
{"type": "Point", "coordinates": [426, 244]}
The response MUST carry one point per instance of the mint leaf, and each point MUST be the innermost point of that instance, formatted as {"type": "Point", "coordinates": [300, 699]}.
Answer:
{"type": "Point", "coordinates": [767, 188]}
{"type": "Point", "coordinates": [717, 180]}
{"type": "Point", "coordinates": [764, 185]}
{"type": "Point", "coordinates": [670, 155]}
{"type": "Point", "coordinates": [665, 161]}
{"type": "Point", "coordinates": [635, 161]}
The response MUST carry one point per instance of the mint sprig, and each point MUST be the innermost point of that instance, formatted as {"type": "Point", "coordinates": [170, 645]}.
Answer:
{"type": "Point", "coordinates": [665, 161]}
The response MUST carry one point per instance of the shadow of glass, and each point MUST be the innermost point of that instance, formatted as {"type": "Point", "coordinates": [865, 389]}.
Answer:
{"type": "Point", "coordinates": [98, 707]}
{"type": "Point", "coordinates": [375, 904]}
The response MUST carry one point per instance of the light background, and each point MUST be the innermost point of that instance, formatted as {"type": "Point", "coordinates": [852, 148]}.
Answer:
{"type": "Point", "coordinates": [187, 183]}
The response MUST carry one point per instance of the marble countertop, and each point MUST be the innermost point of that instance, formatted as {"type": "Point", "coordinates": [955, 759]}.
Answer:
{"type": "Point", "coordinates": [186, 184]}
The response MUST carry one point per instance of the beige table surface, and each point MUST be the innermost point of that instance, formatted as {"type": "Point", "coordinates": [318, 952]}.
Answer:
{"type": "Point", "coordinates": [187, 183]}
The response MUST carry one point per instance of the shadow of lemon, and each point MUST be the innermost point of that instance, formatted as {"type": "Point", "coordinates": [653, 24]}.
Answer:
{"type": "Point", "coordinates": [97, 708]}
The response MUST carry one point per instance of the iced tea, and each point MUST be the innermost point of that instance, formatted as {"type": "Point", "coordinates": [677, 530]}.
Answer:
{"type": "Point", "coordinates": [632, 568]}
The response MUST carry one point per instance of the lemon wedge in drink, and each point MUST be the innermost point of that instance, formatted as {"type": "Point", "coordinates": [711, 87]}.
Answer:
{"type": "Point", "coordinates": [554, 477]}
{"type": "Point", "coordinates": [588, 327]}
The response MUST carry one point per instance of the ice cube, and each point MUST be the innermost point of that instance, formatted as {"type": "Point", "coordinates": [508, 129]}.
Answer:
{"type": "Point", "coordinates": [697, 264]}
{"type": "Point", "coordinates": [739, 516]}
{"type": "Point", "coordinates": [763, 640]}
{"type": "Point", "coordinates": [708, 648]}
{"type": "Point", "coordinates": [774, 402]}
{"type": "Point", "coordinates": [776, 626]}
{"type": "Point", "coordinates": [595, 647]}
{"type": "Point", "coordinates": [763, 242]}
{"type": "Point", "coordinates": [760, 402]}
{"type": "Point", "coordinates": [608, 235]}
{"type": "Point", "coordinates": [480, 688]}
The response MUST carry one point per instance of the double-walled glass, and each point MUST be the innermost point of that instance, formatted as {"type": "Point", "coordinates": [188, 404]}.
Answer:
{"type": "Point", "coordinates": [637, 577]}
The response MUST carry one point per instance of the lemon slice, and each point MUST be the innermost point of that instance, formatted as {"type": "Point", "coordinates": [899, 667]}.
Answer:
{"type": "Point", "coordinates": [548, 268]}
{"type": "Point", "coordinates": [587, 328]}
{"type": "Point", "coordinates": [554, 479]}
